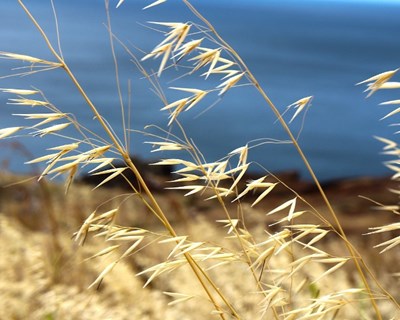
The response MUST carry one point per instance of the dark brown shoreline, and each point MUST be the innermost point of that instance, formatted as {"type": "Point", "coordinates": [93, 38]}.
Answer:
{"type": "Point", "coordinates": [354, 200]}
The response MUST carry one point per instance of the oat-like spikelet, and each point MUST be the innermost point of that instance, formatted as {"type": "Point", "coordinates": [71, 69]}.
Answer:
{"type": "Point", "coordinates": [378, 81]}
{"type": "Point", "coordinates": [255, 184]}
{"type": "Point", "coordinates": [48, 117]}
{"type": "Point", "coordinates": [96, 152]}
{"type": "Point", "coordinates": [187, 48]}
{"type": "Point", "coordinates": [82, 233]}
{"type": "Point", "coordinates": [389, 144]}
{"type": "Point", "coordinates": [262, 253]}
{"type": "Point", "coordinates": [325, 306]}
{"type": "Point", "coordinates": [178, 106]}
{"type": "Point", "coordinates": [275, 296]}
{"type": "Point", "coordinates": [243, 153]}
{"type": "Point", "coordinates": [291, 204]}
{"type": "Point", "coordinates": [214, 253]}
{"type": "Point", "coordinates": [300, 231]}
{"type": "Point", "coordinates": [122, 239]}
{"type": "Point", "coordinates": [394, 165]}
{"type": "Point", "coordinates": [299, 105]}
{"type": "Point", "coordinates": [153, 4]}
{"type": "Point", "coordinates": [52, 129]}
{"type": "Point", "coordinates": [391, 243]}
{"type": "Point", "coordinates": [166, 146]}
{"type": "Point", "coordinates": [177, 35]}
{"type": "Point", "coordinates": [104, 252]}
{"type": "Point", "coordinates": [111, 174]}
{"type": "Point", "coordinates": [223, 68]}
{"type": "Point", "coordinates": [390, 85]}
{"type": "Point", "coordinates": [198, 95]}
{"type": "Point", "coordinates": [390, 103]}
{"type": "Point", "coordinates": [206, 177]}
{"type": "Point", "coordinates": [53, 158]}
{"type": "Point", "coordinates": [26, 58]}
{"type": "Point", "coordinates": [180, 241]}
{"type": "Point", "coordinates": [337, 261]}
{"type": "Point", "coordinates": [207, 57]}
{"type": "Point", "coordinates": [162, 268]}
{"type": "Point", "coordinates": [231, 224]}
{"type": "Point", "coordinates": [101, 276]}
{"type": "Point", "coordinates": [119, 3]}
{"type": "Point", "coordinates": [178, 297]}
{"type": "Point", "coordinates": [168, 162]}
{"type": "Point", "coordinates": [391, 148]}
{"type": "Point", "coordinates": [184, 104]}
{"type": "Point", "coordinates": [101, 162]}
{"type": "Point", "coordinates": [172, 42]}
{"type": "Point", "coordinates": [6, 132]}
{"type": "Point", "coordinates": [28, 102]}
{"type": "Point", "coordinates": [21, 92]}
{"type": "Point", "coordinates": [35, 65]}
{"type": "Point", "coordinates": [230, 82]}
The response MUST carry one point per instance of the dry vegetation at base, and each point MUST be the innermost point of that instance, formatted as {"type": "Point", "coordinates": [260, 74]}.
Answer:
{"type": "Point", "coordinates": [44, 274]}
{"type": "Point", "coordinates": [252, 251]}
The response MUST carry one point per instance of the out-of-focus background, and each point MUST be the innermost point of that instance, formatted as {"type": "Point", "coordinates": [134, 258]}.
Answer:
{"type": "Point", "coordinates": [295, 49]}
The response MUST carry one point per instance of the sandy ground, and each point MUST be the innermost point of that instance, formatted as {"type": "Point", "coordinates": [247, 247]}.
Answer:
{"type": "Point", "coordinates": [44, 275]}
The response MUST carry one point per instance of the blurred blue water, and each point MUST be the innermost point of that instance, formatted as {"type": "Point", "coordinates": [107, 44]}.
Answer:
{"type": "Point", "coordinates": [294, 48]}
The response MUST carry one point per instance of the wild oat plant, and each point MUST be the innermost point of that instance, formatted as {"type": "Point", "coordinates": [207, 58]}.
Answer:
{"type": "Point", "coordinates": [282, 272]}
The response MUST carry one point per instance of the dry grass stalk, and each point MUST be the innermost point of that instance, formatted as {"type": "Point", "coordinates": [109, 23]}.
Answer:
{"type": "Point", "coordinates": [375, 83]}
{"type": "Point", "coordinates": [275, 263]}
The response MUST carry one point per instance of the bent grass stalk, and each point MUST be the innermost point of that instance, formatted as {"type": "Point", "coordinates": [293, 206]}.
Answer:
{"type": "Point", "coordinates": [211, 56]}
{"type": "Point", "coordinates": [199, 177]}
{"type": "Point", "coordinates": [204, 172]}
{"type": "Point", "coordinates": [355, 256]}
{"type": "Point", "coordinates": [157, 209]}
